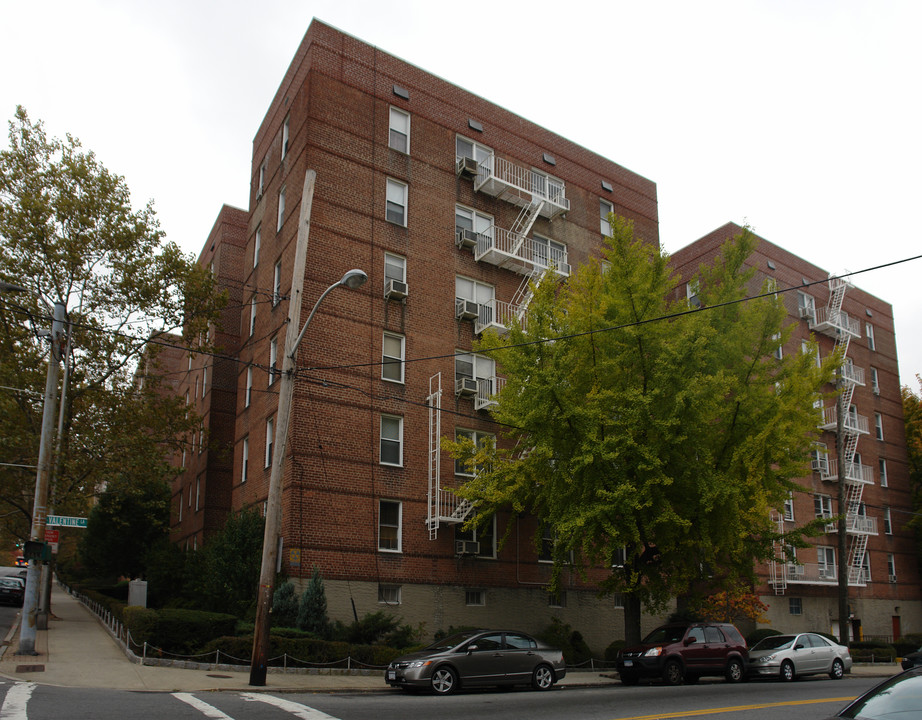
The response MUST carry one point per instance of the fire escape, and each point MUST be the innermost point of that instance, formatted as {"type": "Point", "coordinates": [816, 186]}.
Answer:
{"type": "Point", "coordinates": [835, 322]}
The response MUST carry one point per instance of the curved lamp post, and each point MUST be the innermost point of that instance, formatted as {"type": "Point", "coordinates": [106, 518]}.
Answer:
{"type": "Point", "coordinates": [258, 667]}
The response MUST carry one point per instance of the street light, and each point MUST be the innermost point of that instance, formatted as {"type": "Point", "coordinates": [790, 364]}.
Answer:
{"type": "Point", "coordinates": [28, 626]}
{"type": "Point", "coordinates": [258, 667]}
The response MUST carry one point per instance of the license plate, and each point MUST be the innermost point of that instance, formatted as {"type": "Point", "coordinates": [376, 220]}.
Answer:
{"type": "Point", "coordinates": [628, 663]}
{"type": "Point", "coordinates": [391, 675]}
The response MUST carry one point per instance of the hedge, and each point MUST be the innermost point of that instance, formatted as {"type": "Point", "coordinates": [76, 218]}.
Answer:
{"type": "Point", "coordinates": [309, 650]}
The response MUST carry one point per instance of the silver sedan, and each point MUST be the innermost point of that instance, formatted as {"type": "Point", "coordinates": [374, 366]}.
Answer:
{"type": "Point", "coordinates": [788, 656]}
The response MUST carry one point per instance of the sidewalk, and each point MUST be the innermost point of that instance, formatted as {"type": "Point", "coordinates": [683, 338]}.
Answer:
{"type": "Point", "coordinates": [77, 650]}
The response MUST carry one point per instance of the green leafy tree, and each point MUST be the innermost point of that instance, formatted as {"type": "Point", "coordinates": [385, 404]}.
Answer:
{"type": "Point", "coordinates": [313, 613]}
{"type": "Point", "coordinates": [69, 234]}
{"type": "Point", "coordinates": [912, 418]}
{"type": "Point", "coordinates": [231, 562]}
{"type": "Point", "coordinates": [667, 441]}
{"type": "Point", "coordinates": [285, 606]}
{"type": "Point", "coordinates": [130, 518]}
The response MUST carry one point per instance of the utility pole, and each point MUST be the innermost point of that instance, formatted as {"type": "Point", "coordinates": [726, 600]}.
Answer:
{"type": "Point", "coordinates": [28, 626]}
{"type": "Point", "coordinates": [841, 524]}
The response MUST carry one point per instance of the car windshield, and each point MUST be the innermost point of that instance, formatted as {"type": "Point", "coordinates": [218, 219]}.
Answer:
{"type": "Point", "coordinates": [452, 641]}
{"type": "Point", "coordinates": [774, 642]}
{"type": "Point", "coordinates": [899, 697]}
{"type": "Point", "coordinates": [667, 634]}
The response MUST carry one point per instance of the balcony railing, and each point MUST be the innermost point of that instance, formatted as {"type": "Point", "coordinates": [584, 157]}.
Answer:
{"type": "Point", "coordinates": [856, 525]}
{"type": "Point", "coordinates": [850, 373]}
{"type": "Point", "coordinates": [812, 573]}
{"type": "Point", "coordinates": [834, 322]}
{"type": "Point", "coordinates": [498, 315]}
{"type": "Point", "coordinates": [507, 250]}
{"type": "Point", "coordinates": [520, 185]}
{"type": "Point", "coordinates": [852, 422]}
{"type": "Point", "coordinates": [487, 389]}
{"type": "Point", "coordinates": [854, 472]}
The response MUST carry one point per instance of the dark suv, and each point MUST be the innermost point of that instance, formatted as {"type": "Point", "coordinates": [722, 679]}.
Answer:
{"type": "Point", "coordinates": [683, 652]}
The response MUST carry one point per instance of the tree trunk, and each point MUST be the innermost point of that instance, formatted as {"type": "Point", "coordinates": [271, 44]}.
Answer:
{"type": "Point", "coordinates": [632, 612]}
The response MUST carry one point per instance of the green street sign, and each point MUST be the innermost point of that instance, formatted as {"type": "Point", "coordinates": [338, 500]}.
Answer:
{"type": "Point", "coordinates": [64, 521]}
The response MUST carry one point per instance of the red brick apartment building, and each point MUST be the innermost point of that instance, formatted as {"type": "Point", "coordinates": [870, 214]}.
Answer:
{"type": "Point", "coordinates": [208, 383]}
{"type": "Point", "coordinates": [450, 204]}
{"type": "Point", "coordinates": [883, 577]}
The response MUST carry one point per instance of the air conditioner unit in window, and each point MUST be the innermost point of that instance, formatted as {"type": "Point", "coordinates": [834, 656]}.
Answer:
{"type": "Point", "coordinates": [466, 387]}
{"type": "Point", "coordinates": [466, 166]}
{"type": "Point", "coordinates": [395, 290]}
{"type": "Point", "coordinates": [796, 569]}
{"type": "Point", "coordinates": [466, 309]}
{"type": "Point", "coordinates": [467, 547]}
{"type": "Point", "coordinates": [465, 238]}
{"type": "Point", "coordinates": [807, 312]}
{"type": "Point", "coordinates": [820, 465]}
{"type": "Point", "coordinates": [893, 578]}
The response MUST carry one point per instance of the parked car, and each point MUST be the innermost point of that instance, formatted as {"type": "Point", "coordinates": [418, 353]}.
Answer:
{"type": "Point", "coordinates": [12, 590]}
{"type": "Point", "coordinates": [683, 652]}
{"type": "Point", "coordinates": [899, 696]}
{"type": "Point", "coordinates": [789, 656]}
{"type": "Point", "coordinates": [913, 659]}
{"type": "Point", "coordinates": [485, 657]}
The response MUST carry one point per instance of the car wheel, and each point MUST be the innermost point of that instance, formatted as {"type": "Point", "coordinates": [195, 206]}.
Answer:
{"type": "Point", "coordinates": [542, 678]}
{"type": "Point", "coordinates": [838, 670]}
{"type": "Point", "coordinates": [734, 672]}
{"type": "Point", "coordinates": [673, 673]}
{"type": "Point", "coordinates": [787, 671]}
{"type": "Point", "coordinates": [629, 678]}
{"type": "Point", "coordinates": [444, 680]}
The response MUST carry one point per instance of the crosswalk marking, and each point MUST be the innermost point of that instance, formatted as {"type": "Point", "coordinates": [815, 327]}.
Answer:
{"type": "Point", "coordinates": [303, 712]}
{"type": "Point", "coordinates": [207, 710]}
{"type": "Point", "coordinates": [14, 704]}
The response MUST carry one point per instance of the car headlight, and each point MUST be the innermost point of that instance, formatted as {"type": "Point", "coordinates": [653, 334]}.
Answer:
{"type": "Point", "coordinates": [653, 652]}
{"type": "Point", "coordinates": [419, 663]}
{"type": "Point", "coordinates": [766, 658]}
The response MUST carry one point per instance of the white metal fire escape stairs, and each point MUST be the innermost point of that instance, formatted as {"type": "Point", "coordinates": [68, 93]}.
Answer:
{"type": "Point", "coordinates": [444, 505]}
{"type": "Point", "coordinates": [834, 322]}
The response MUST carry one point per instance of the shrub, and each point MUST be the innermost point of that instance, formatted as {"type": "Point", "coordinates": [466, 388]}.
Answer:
{"type": "Point", "coordinates": [611, 652]}
{"type": "Point", "coordinates": [312, 615]}
{"type": "Point", "coordinates": [285, 606]}
{"type": "Point", "coordinates": [571, 642]}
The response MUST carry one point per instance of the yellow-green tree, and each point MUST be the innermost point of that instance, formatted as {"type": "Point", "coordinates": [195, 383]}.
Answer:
{"type": "Point", "coordinates": [662, 436]}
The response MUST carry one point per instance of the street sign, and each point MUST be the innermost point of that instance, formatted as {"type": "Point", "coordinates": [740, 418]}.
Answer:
{"type": "Point", "coordinates": [64, 521]}
{"type": "Point", "coordinates": [52, 536]}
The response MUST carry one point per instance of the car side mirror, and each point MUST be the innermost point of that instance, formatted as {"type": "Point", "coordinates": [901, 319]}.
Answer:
{"type": "Point", "coordinates": [471, 648]}
{"type": "Point", "coordinates": [798, 647]}
{"type": "Point", "coordinates": [690, 640]}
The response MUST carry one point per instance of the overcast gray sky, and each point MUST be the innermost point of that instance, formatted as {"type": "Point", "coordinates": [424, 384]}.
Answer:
{"type": "Point", "coordinates": [801, 117]}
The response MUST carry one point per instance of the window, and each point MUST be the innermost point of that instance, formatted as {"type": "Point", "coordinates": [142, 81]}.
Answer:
{"type": "Point", "coordinates": [546, 252]}
{"type": "Point", "coordinates": [620, 558]}
{"type": "Point", "coordinates": [891, 567]}
{"type": "Point", "coordinates": [248, 393]}
{"type": "Point", "coordinates": [795, 606]}
{"type": "Point", "coordinates": [198, 491]}
{"type": "Point", "coordinates": [391, 440]}
{"type": "Point", "coordinates": [180, 505]}
{"type": "Point", "coordinates": [806, 305]}
{"type": "Point", "coordinates": [252, 315]}
{"type": "Point", "coordinates": [869, 331]}
{"type": "Point", "coordinates": [822, 506]}
{"type": "Point", "coordinates": [789, 508]}
{"type": "Point", "coordinates": [879, 426]}
{"type": "Point", "coordinates": [478, 292]}
{"type": "Point", "coordinates": [692, 288]}
{"type": "Point", "coordinates": [484, 536]}
{"type": "Point", "coordinates": [396, 210]}
{"type": "Point", "coordinates": [557, 599]}
{"type": "Point", "coordinates": [826, 562]}
{"type": "Point", "coordinates": [286, 133]}
{"type": "Point", "coordinates": [605, 208]}
{"type": "Point", "coordinates": [281, 214]}
{"type": "Point", "coordinates": [483, 369]}
{"type": "Point", "coordinates": [392, 357]}
{"type": "Point", "coordinates": [475, 598]}
{"type": "Point", "coordinates": [882, 468]}
{"type": "Point", "coordinates": [273, 360]}
{"type": "Point", "coordinates": [190, 495]}
{"type": "Point", "coordinates": [875, 381]}
{"type": "Point", "coordinates": [257, 243]}
{"type": "Point", "coordinates": [261, 184]}
{"type": "Point", "coordinates": [465, 148]}
{"type": "Point", "coordinates": [479, 439]}
{"type": "Point", "coordinates": [270, 435]}
{"type": "Point", "coordinates": [389, 594]}
{"type": "Point", "coordinates": [888, 523]}
{"type": "Point", "coordinates": [399, 138]}
{"type": "Point", "coordinates": [805, 347]}
{"type": "Point", "coordinates": [548, 543]}
{"type": "Point", "coordinates": [389, 531]}
{"type": "Point", "coordinates": [467, 219]}
{"type": "Point", "coordinates": [395, 268]}
{"type": "Point", "coordinates": [866, 567]}
{"type": "Point", "coordinates": [245, 463]}
{"type": "Point", "coordinates": [778, 352]}
{"type": "Point", "coordinates": [277, 284]}
{"type": "Point", "coordinates": [195, 391]}
{"type": "Point", "coordinates": [204, 379]}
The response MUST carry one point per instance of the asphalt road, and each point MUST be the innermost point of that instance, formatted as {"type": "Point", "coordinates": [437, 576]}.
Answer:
{"type": "Point", "coordinates": [806, 699]}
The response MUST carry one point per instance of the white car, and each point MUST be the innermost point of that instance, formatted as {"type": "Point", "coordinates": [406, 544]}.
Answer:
{"type": "Point", "coordinates": [788, 656]}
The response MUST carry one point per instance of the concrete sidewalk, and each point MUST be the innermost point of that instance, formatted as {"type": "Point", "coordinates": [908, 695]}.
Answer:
{"type": "Point", "coordinates": [77, 650]}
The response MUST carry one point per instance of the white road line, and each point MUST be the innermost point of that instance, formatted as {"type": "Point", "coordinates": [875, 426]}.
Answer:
{"type": "Point", "coordinates": [14, 704]}
{"type": "Point", "coordinates": [299, 711]}
{"type": "Point", "coordinates": [207, 710]}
